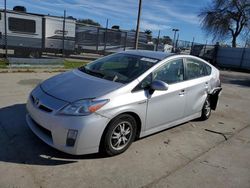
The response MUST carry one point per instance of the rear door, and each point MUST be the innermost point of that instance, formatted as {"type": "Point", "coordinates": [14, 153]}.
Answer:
{"type": "Point", "coordinates": [197, 85]}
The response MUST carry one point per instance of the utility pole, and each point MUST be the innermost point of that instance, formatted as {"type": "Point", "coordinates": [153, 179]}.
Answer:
{"type": "Point", "coordinates": [176, 42]}
{"type": "Point", "coordinates": [63, 37]}
{"type": "Point", "coordinates": [105, 36]}
{"type": "Point", "coordinates": [192, 42]}
{"type": "Point", "coordinates": [138, 26]}
{"type": "Point", "coordinates": [5, 30]}
{"type": "Point", "coordinates": [192, 45]}
{"type": "Point", "coordinates": [158, 40]}
{"type": "Point", "coordinates": [205, 48]}
{"type": "Point", "coordinates": [174, 30]}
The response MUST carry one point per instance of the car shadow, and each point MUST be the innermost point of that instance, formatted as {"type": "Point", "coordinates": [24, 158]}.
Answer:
{"type": "Point", "coordinates": [242, 81]}
{"type": "Point", "coordinates": [18, 144]}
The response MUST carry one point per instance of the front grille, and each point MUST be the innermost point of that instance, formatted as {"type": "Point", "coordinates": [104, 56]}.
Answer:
{"type": "Point", "coordinates": [39, 105]}
{"type": "Point", "coordinates": [42, 129]}
{"type": "Point", "coordinates": [44, 108]}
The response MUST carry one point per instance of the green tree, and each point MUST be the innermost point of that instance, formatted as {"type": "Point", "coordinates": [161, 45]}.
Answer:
{"type": "Point", "coordinates": [89, 22]}
{"type": "Point", "coordinates": [226, 19]}
{"type": "Point", "coordinates": [148, 32]}
{"type": "Point", "coordinates": [149, 35]}
{"type": "Point", "coordinates": [167, 40]}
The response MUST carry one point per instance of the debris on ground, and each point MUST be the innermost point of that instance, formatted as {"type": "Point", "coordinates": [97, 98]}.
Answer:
{"type": "Point", "coordinates": [167, 141]}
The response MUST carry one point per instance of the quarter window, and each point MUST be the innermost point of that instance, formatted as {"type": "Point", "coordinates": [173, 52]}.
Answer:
{"type": "Point", "coordinates": [22, 25]}
{"type": "Point", "coordinates": [208, 69]}
{"type": "Point", "coordinates": [171, 72]}
{"type": "Point", "coordinates": [196, 69]}
{"type": "Point", "coordinates": [145, 83]}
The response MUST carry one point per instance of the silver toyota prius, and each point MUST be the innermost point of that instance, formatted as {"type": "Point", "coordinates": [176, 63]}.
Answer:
{"type": "Point", "coordinates": [107, 104]}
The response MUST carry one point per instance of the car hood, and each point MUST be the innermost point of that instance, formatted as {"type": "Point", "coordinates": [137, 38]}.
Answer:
{"type": "Point", "coordinates": [75, 85]}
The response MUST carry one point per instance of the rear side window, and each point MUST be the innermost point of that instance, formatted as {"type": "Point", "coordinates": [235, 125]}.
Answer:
{"type": "Point", "coordinates": [22, 25]}
{"type": "Point", "coordinates": [196, 69]}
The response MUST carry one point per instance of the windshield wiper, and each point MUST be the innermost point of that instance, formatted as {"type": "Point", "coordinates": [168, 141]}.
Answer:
{"type": "Point", "coordinates": [92, 72]}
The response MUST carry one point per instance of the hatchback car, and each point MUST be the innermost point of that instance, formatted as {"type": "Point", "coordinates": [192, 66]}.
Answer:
{"type": "Point", "coordinates": [110, 102]}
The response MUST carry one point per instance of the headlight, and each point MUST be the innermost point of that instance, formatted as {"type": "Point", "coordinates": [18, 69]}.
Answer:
{"type": "Point", "coordinates": [83, 107]}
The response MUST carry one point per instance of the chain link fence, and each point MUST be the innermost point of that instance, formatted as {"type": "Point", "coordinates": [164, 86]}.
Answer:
{"type": "Point", "coordinates": [33, 35]}
{"type": "Point", "coordinates": [102, 40]}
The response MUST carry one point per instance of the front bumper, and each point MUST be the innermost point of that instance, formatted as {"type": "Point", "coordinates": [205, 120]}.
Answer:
{"type": "Point", "coordinates": [53, 129]}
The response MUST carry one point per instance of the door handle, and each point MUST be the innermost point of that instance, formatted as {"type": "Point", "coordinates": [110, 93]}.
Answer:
{"type": "Point", "coordinates": [142, 102]}
{"type": "Point", "coordinates": [182, 92]}
{"type": "Point", "coordinates": [206, 85]}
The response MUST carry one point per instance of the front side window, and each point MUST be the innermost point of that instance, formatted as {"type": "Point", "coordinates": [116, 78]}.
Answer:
{"type": "Point", "coordinates": [171, 72]}
{"type": "Point", "coordinates": [196, 69]}
{"type": "Point", "coordinates": [120, 67]}
{"type": "Point", "coordinates": [22, 25]}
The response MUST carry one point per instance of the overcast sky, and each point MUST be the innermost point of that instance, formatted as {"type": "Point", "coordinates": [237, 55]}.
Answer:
{"type": "Point", "coordinates": [156, 15]}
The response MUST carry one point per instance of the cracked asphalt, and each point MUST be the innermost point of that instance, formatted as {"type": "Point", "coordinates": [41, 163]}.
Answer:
{"type": "Point", "coordinates": [184, 156]}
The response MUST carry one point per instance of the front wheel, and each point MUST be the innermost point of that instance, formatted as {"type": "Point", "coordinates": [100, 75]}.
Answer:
{"type": "Point", "coordinates": [119, 135]}
{"type": "Point", "coordinates": [206, 110]}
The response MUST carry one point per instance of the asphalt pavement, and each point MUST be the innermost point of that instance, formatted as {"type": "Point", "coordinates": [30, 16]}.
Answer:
{"type": "Point", "coordinates": [188, 155]}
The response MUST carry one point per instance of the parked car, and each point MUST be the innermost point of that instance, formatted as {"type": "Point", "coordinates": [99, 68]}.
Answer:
{"type": "Point", "coordinates": [107, 104]}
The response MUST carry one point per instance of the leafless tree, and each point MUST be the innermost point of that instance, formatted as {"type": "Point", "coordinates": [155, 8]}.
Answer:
{"type": "Point", "coordinates": [226, 19]}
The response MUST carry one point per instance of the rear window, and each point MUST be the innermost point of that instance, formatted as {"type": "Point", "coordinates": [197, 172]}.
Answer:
{"type": "Point", "coordinates": [22, 25]}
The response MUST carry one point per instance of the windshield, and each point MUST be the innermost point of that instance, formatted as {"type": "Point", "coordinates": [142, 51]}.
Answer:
{"type": "Point", "coordinates": [120, 67]}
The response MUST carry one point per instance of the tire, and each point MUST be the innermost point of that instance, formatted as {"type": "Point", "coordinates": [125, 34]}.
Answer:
{"type": "Point", "coordinates": [206, 110]}
{"type": "Point", "coordinates": [119, 135]}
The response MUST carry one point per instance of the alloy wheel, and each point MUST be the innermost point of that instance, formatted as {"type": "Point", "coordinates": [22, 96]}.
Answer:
{"type": "Point", "coordinates": [121, 135]}
{"type": "Point", "coordinates": [207, 108]}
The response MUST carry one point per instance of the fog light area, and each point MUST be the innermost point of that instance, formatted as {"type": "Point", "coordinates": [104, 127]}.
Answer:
{"type": "Point", "coordinates": [71, 137]}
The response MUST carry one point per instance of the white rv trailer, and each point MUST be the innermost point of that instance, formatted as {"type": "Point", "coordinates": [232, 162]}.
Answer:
{"type": "Point", "coordinates": [31, 34]}
{"type": "Point", "coordinates": [53, 27]}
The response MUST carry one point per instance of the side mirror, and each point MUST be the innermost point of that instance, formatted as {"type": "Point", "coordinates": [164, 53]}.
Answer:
{"type": "Point", "coordinates": [159, 85]}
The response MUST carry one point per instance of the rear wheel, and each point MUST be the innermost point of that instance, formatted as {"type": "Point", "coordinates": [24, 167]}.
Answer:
{"type": "Point", "coordinates": [206, 110]}
{"type": "Point", "coordinates": [119, 135]}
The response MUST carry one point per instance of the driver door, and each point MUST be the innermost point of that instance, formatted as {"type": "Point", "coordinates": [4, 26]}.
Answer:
{"type": "Point", "coordinates": [167, 106]}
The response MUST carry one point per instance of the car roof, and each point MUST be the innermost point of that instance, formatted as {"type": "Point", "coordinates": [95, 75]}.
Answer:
{"type": "Point", "coordinates": [149, 54]}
